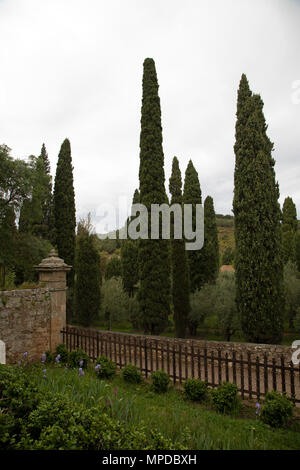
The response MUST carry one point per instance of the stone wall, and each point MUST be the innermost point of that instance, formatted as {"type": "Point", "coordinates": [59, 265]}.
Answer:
{"type": "Point", "coordinates": [25, 322]}
{"type": "Point", "coordinates": [31, 320]}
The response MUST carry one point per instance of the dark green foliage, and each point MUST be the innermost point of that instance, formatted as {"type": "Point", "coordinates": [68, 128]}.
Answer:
{"type": "Point", "coordinates": [32, 420]}
{"type": "Point", "coordinates": [107, 368]}
{"type": "Point", "coordinates": [160, 381]}
{"type": "Point", "coordinates": [17, 393]}
{"type": "Point", "coordinates": [130, 266]}
{"type": "Point", "coordinates": [48, 222]}
{"type": "Point", "coordinates": [8, 242]}
{"type": "Point", "coordinates": [113, 268]}
{"type": "Point", "coordinates": [195, 389]}
{"type": "Point", "coordinates": [192, 195]}
{"type": "Point", "coordinates": [74, 358]}
{"type": "Point", "coordinates": [297, 250]}
{"type": "Point", "coordinates": [291, 291]}
{"type": "Point", "coordinates": [62, 351]}
{"type": "Point", "coordinates": [179, 263]}
{"type": "Point", "coordinates": [87, 291]}
{"type": "Point", "coordinates": [35, 214]}
{"type": "Point", "coordinates": [15, 181]}
{"type": "Point", "coordinates": [154, 291]}
{"type": "Point", "coordinates": [228, 256]}
{"type": "Point", "coordinates": [225, 398]}
{"type": "Point", "coordinates": [130, 258]}
{"type": "Point", "coordinates": [49, 357]}
{"type": "Point", "coordinates": [258, 261]}
{"type": "Point", "coordinates": [210, 250]}
{"type": "Point", "coordinates": [277, 409]}
{"type": "Point", "coordinates": [131, 374]}
{"type": "Point", "coordinates": [289, 230]}
{"type": "Point", "coordinates": [64, 208]}
{"type": "Point", "coordinates": [29, 251]}
{"type": "Point", "coordinates": [15, 188]}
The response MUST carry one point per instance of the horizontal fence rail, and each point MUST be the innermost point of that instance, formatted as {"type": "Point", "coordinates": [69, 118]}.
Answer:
{"type": "Point", "coordinates": [254, 375]}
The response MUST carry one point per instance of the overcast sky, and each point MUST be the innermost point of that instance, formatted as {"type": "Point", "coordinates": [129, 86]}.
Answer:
{"type": "Point", "coordinates": [74, 69]}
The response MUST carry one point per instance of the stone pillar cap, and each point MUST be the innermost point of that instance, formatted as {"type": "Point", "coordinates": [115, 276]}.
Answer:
{"type": "Point", "coordinates": [53, 263]}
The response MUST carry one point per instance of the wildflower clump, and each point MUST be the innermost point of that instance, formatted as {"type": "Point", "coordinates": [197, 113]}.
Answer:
{"type": "Point", "coordinates": [195, 389]}
{"type": "Point", "coordinates": [131, 374]}
{"type": "Point", "coordinates": [160, 381]}
{"type": "Point", "coordinates": [106, 369]}
{"type": "Point", "coordinates": [77, 357]}
{"type": "Point", "coordinates": [277, 409]}
{"type": "Point", "coordinates": [225, 398]}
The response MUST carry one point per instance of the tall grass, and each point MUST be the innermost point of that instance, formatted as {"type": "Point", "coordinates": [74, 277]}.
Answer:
{"type": "Point", "coordinates": [197, 426]}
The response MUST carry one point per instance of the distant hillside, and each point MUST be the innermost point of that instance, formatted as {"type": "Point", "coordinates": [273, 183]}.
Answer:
{"type": "Point", "coordinates": [225, 224]}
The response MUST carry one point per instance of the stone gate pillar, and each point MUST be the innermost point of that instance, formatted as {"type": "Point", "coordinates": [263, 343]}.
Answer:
{"type": "Point", "coordinates": [52, 272]}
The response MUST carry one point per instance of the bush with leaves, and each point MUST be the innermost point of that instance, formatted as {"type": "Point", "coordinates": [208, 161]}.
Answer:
{"type": "Point", "coordinates": [195, 389]}
{"type": "Point", "coordinates": [131, 374]}
{"type": "Point", "coordinates": [225, 398]}
{"type": "Point", "coordinates": [277, 409]}
{"type": "Point", "coordinates": [225, 305]}
{"type": "Point", "coordinates": [107, 368]}
{"type": "Point", "coordinates": [160, 381]}
{"type": "Point", "coordinates": [61, 350]}
{"type": "Point", "coordinates": [292, 292]}
{"type": "Point", "coordinates": [202, 304]}
{"type": "Point", "coordinates": [31, 420]}
{"type": "Point", "coordinates": [115, 301]}
{"type": "Point", "coordinates": [75, 358]}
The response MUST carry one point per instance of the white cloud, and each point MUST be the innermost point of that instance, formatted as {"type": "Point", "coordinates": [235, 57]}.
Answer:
{"type": "Point", "coordinates": [74, 69]}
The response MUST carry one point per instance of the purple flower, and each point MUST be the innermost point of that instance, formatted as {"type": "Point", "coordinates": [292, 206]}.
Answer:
{"type": "Point", "coordinates": [25, 354]}
{"type": "Point", "coordinates": [97, 367]}
{"type": "Point", "coordinates": [81, 373]}
{"type": "Point", "coordinates": [44, 357]}
{"type": "Point", "coordinates": [257, 408]}
{"type": "Point", "coordinates": [81, 363]}
{"type": "Point", "coordinates": [44, 371]}
{"type": "Point", "coordinates": [57, 358]}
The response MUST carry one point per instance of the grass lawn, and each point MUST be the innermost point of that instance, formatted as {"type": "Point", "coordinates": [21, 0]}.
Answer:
{"type": "Point", "coordinates": [195, 425]}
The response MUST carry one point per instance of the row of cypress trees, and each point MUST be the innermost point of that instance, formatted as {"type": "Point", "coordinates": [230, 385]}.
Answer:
{"type": "Point", "coordinates": [258, 229]}
{"type": "Point", "coordinates": [167, 273]}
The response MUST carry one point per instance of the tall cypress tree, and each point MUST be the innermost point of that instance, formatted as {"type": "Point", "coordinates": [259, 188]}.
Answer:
{"type": "Point", "coordinates": [289, 230]}
{"type": "Point", "coordinates": [87, 294]}
{"type": "Point", "coordinates": [154, 291]}
{"type": "Point", "coordinates": [179, 265]}
{"type": "Point", "coordinates": [210, 250]}
{"type": "Point", "coordinates": [129, 258]}
{"type": "Point", "coordinates": [64, 208]}
{"type": "Point", "coordinates": [192, 195]}
{"type": "Point", "coordinates": [258, 263]}
{"type": "Point", "coordinates": [48, 228]}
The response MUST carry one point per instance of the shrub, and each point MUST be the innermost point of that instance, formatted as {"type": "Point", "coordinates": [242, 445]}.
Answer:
{"type": "Point", "coordinates": [195, 389]}
{"type": "Point", "coordinates": [76, 356]}
{"type": "Point", "coordinates": [131, 374]}
{"type": "Point", "coordinates": [277, 409]}
{"type": "Point", "coordinates": [62, 351]}
{"type": "Point", "coordinates": [49, 357]}
{"type": "Point", "coordinates": [107, 368]}
{"type": "Point", "coordinates": [31, 420]}
{"type": "Point", "coordinates": [160, 381]}
{"type": "Point", "coordinates": [225, 398]}
{"type": "Point", "coordinates": [17, 393]}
